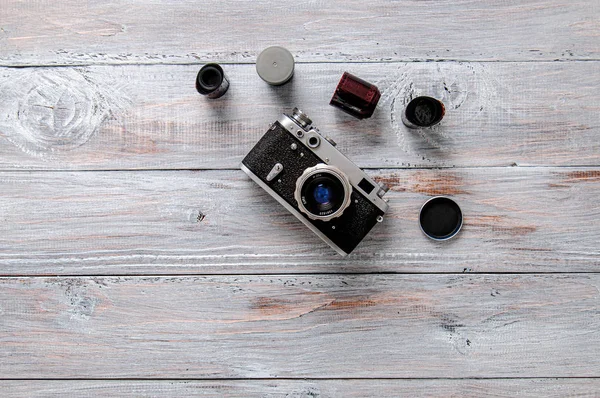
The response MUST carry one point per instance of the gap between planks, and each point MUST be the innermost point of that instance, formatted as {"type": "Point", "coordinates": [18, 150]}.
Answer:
{"type": "Point", "coordinates": [374, 62]}
{"type": "Point", "coordinates": [293, 274]}
{"type": "Point", "coordinates": [297, 378]}
{"type": "Point", "coordinates": [389, 168]}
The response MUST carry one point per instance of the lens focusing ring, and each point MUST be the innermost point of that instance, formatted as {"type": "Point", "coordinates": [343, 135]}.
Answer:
{"type": "Point", "coordinates": [325, 170]}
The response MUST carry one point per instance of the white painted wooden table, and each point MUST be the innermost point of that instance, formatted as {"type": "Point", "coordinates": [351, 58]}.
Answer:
{"type": "Point", "coordinates": [137, 260]}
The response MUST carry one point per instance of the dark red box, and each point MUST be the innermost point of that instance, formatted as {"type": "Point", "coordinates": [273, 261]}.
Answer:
{"type": "Point", "coordinates": [355, 96]}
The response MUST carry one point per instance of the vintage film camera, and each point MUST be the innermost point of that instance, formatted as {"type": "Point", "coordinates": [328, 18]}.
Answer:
{"type": "Point", "coordinates": [304, 171]}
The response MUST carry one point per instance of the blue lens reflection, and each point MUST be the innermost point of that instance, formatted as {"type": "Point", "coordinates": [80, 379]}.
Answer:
{"type": "Point", "coordinates": [322, 194]}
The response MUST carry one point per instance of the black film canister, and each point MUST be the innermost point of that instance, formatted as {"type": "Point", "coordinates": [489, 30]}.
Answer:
{"type": "Point", "coordinates": [423, 112]}
{"type": "Point", "coordinates": [440, 218]}
{"type": "Point", "coordinates": [211, 81]}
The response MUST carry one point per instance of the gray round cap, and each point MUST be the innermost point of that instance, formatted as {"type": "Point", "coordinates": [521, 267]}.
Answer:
{"type": "Point", "coordinates": [275, 65]}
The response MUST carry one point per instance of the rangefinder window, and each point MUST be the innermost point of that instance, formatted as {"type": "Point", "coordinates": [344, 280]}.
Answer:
{"type": "Point", "coordinates": [366, 186]}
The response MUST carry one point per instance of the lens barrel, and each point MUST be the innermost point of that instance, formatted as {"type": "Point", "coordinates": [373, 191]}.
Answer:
{"type": "Point", "coordinates": [323, 192]}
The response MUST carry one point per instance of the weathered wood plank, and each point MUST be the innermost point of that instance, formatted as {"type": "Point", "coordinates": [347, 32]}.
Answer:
{"type": "Point", "coordinates": [144, 117]}
{"type": "Point", "coordinates": [74, 32]}
{"type": "Point", "coordinates": [85, 223]}
{"type": "Point", "coordinates": [327, 326]}
{"type": "Point", "coordinates": [500, 388]}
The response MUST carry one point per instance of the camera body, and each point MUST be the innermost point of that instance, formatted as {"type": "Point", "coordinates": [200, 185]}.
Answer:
{"type": "Point", "coordinates": [304, 171]}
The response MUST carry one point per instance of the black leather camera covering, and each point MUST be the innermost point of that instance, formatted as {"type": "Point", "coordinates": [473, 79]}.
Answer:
{"type": "Point", "coordinates": [275, 147]}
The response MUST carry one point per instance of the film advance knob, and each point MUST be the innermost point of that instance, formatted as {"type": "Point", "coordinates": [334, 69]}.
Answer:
{"type": "Point", "coordinates": [301, 118]}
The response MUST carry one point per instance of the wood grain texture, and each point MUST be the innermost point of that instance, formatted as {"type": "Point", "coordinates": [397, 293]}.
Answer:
{"type": "Point", "coordinates": [200, 277]}
{"type": "Point", "coordinates": [327, 326]}
{"type": "Point", "coordinates": [149, 117]}
{"type": "Point", "coordinates": [85, 223]}
{"type": "Point", "coordinates": [504, 388]}
{"type": "Point", "coordinates": [75, 32]}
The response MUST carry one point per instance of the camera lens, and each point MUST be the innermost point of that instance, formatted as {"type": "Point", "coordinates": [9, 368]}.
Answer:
{"type": "Point", "coordinates": [323, 192]}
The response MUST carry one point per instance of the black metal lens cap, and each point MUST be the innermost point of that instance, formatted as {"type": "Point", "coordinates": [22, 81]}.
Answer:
{"type": "Point", "coordinates": [440, 218]}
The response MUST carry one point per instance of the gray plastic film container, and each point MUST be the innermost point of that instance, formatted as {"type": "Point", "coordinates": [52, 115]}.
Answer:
{"type": "Point", "coordinates": [275, 65]}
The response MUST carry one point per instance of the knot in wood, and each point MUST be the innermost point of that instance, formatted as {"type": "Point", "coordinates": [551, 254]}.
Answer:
{"type": "Point", "coordinates": [51, 110]}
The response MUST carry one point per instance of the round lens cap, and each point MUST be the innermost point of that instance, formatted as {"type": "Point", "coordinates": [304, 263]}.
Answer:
{"type": "Point", "coordinates": [440, 218]}
{"type": "Point", "coordinates": [275, 65]}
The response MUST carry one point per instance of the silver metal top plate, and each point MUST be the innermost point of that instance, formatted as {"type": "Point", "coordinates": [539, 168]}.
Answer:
{"type": "Point", "coordinates": [330, 155]}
